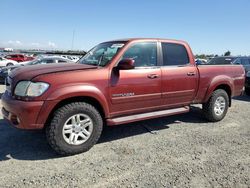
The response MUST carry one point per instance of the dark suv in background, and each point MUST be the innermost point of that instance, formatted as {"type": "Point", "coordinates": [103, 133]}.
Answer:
{"type": "Point", "coordinates": [247, 85]}
{"type": "Point", "coordinates": [225, 60]}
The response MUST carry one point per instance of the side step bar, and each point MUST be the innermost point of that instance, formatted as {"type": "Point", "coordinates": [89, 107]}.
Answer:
{"type": "Point", "coordinates": [148, 115]}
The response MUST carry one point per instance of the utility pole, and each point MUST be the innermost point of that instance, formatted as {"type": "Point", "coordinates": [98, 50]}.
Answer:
{"type": "Point", "coordinates": [73, 38]}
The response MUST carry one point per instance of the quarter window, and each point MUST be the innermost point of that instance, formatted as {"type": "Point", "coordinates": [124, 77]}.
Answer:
{"type": "Point", "coordinates": [144, 54]}
{"type": "Point", "coordinates": [174, 54]}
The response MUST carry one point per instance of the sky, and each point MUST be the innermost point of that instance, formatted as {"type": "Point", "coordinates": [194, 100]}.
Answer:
{"type": "Point", "coordinates": [209, 26]}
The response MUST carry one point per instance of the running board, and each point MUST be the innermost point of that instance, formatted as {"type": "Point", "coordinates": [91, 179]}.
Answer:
{"type": "Point", "coordinates": [145, 116]}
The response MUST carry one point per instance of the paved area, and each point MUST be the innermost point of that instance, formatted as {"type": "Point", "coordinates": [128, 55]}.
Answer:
{"type": "Point", "coordinates": [177, 151]}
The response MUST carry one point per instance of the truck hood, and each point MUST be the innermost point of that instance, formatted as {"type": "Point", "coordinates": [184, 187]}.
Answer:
{"type": "Point", "coordinates": [31, 71]}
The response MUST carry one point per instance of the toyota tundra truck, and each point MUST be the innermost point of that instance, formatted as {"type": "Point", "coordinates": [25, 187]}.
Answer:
{"type": "Point", "coordinates": [116, 82]}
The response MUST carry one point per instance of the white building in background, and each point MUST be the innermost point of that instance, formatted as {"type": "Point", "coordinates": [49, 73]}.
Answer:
{"type": "Point", "coordinates": [8, 49]}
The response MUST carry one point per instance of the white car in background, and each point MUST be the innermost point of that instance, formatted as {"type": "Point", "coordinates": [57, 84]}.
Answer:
{"type": "Point", "coordinates": [201, 61]}
{"type": "Point", "coordinates": [7, 62]}
{"type": "Point", "coordinates": [72, 58]}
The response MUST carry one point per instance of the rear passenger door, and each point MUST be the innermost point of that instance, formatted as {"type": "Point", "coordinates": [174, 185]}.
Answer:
{"type": "Point", "coordinates": [179, 77]}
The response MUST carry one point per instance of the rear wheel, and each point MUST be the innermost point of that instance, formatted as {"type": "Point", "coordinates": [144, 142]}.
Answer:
{"type": "Point", "coordinates": [74, 129]}
{"type": "Point", "coordinates": [216, 107]}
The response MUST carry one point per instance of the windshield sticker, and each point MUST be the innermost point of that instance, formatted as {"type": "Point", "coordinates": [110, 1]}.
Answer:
{"type": "Point", "coordinates": [118, 45]}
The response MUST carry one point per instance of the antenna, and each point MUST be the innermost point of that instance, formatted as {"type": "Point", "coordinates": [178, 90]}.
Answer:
{"type": "Point", "coordinates": [73, 38]}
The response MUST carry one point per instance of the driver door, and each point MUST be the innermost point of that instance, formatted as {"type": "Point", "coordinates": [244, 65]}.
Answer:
{"type": "Point", "coordinates": [137, 90]}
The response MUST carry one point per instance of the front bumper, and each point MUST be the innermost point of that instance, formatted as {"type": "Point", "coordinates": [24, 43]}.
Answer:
{"type": "Point", "coordinates": [21, 114]}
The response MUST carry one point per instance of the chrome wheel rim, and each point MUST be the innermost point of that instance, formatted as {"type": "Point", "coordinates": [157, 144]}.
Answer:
{"type": "Point", "coordinates": [219, 106]}
{"type": "Point", "coordinates": [77, 129]}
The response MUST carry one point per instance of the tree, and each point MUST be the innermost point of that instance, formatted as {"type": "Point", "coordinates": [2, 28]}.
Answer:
{"type": "Point", "coordinates": [228, 53]}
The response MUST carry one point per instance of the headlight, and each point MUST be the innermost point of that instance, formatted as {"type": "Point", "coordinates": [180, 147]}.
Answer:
{"type": "Point", "coordinates": [30, 89]}
{"type": "Point", "coordinates": [21, 88]}
{"type": "Point", "coordinates": [248, 74]}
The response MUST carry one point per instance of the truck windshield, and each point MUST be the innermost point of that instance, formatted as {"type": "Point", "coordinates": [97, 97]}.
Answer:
{"type": "Point", "coordinates": [102, 54]}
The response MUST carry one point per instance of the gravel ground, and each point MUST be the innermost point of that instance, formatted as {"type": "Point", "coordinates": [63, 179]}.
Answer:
{"type": "Point", "coordinates": [177, 151]}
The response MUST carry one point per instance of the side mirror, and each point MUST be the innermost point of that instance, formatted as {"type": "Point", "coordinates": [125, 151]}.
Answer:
{"type": "Point", "coordinates": [126, 64]}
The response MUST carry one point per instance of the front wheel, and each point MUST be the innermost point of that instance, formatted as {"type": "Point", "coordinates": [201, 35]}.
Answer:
{"type": "Point", "coordinates": [9, 64]}
{"type": "Point", "coordinates": [216, 107]}
{"type": "Point", "coordinates": [74, 129]}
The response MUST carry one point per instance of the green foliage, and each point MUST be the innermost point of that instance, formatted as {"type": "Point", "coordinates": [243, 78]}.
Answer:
{"type": "Point", "coordinates": [228, 53]}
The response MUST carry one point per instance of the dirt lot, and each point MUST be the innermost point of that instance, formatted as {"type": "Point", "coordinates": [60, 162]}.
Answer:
{"type": "Point", "coordinates": [177, 151]}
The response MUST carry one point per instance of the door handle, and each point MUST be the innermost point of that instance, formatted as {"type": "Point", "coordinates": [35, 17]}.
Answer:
{"type": "Point", "coordinates": [191, 73]}
{"type": "Point", "coordinates": [153, 76]}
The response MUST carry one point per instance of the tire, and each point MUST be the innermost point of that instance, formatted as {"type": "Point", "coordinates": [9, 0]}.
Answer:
{"type": "Point", "coordinates": [65, 117]}
{"type": "Point", "coordinates": [247, 91]}
{"type": "Point", "coordinates": [211, 109]}
{"type": "Point", "coordinates": [9, 64]}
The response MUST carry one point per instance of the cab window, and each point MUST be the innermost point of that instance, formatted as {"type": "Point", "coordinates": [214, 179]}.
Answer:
{"type": "Point", "coordinates": [144, 54]}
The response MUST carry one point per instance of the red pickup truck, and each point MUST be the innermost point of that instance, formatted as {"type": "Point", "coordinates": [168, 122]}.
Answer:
{"type": "Point", "coordinates": [116, 82]}
{"type": "Point", "coordinates": [19, 57]}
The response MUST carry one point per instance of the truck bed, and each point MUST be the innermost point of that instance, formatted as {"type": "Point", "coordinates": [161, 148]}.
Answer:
{"type": "Point", "coordinates": [213, 75]}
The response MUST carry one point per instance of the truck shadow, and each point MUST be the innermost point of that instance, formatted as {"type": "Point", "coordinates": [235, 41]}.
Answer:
{"type": "Point", "coordinates": [32, 145]}
{"type": "Point", "coordinates": [242, 98]}
{"type": "Point", "coordinates": [151, 126]}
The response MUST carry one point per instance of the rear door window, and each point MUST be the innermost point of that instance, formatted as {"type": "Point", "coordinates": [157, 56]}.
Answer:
{"type": "Point", "coordinates": [174, 54]}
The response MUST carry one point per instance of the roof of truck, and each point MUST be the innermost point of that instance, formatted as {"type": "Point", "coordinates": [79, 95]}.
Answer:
{"type": "Point", "coordinates": [138, 39]}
